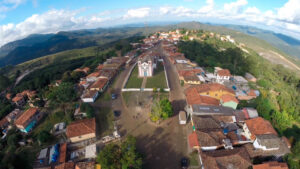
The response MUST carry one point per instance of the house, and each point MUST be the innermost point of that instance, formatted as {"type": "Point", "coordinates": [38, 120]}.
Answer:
{"type": "Point", "coordinates": [250, 77]}
{"type": "Point", "coordinates": [193, 97]}
{"type": "Point", "coordinates": [67, 165]}
{"type": "Point", "coordinates": [28, 119]}
{"type": "Point", "coordinates": [251, 94]}
{"type": "Point", "coordinates": [3, 123]}
{"type": "Point", "coordinates": [91, 151]}
{"type": "Point", "coordinates": [81, 130]}
{"type": "Point", "coordinates": [258, 126]}
{"type": "Point", "coordinates": [204, 110]}
{"type": "Point", "coordinates": [90, 96]}
{"type": "Point", "coordinates": [8, 96]}
{"type": "Point", "coordinates": [85, 165]}
{"type": "Point", "coordinates": [222, 75]}
{"type": "Point", "coordinates": [267, 142]}
{"type": "Point", "coordinates": [250, 113]}
{"type": "Point", "coordinates": [58, 82]}
{"type": "Point", "coordinates": [93, 76]}
{"type": "Point", "coordinates": [239, 80]}
{"type": "Point", "coordinates": [146, 65]}
{"type": "Point", "coordinates": [229, 159]}
{"type": "Point", "coordinates": [19, 100]}
{"type": "Point", "coordinates": [107, 73]}
{"type": "Point", "coordinates": [211, 139]}
{"type": "Point", "coordinates": [62, 153]}
{"type": "Point", "coordinates": [84, 70]}
{"type": "Point", "coordinates": [100, 85]}
{"type": "Point", "coordinates": [271, 165]}
{"type": "Point", "coordinates": [214, 90]}
{"type": "Point", "coordinates": [192, 80]}
{"type": "Point", "coordinates": [13, 115]}
{"type": "Point", "coordinates": [229, 101]}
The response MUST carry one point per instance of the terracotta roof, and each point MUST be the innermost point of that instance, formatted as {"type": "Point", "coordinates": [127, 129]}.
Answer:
{"type": "Point", "coordinates": [227, 98]}
{"type": "Point", "coordinates": [68, 165]}
{"type": "Point", "coordinates": [8, 96]}
{"type": "Point", "coordinates": [221, 159]}
{"type": "Point", "coordinates": [100, 67]}
{"type": "Point", "coordinates": [63, 153]}
{"type": "Point", "coordinates": [193, 97]}
{"type": "Point", "coordinates": [99, 84]}
{"type": "Point", "coordinates": [210, 87]}
{"type": "Point", "coordinates": [190, 72]}
{"type": "Point", "coordinates": [17, 98]}
{"type": "Point", "coordinates": [85, 165]}
{"type": "Point", "coordinates": [193, 140]}
{"type": "Point", "coordinates": [210, 138]}
{"type": "Point", "coordinates": [259, 126]}
{"type": "Point", "coordinates": [3, 122]}
{"type": "Point", "coordinates": [287, 141]}
{"type": "Point", "coordinates": [81, 127]}
{"type": "Point", "coordinates": [224, 72]}
{"type": "Point", "coordinates": [271, 165]}
{"type": "Point", "coordinates": [94, 74]}
{"type": "Point", "coordinates": [26, 116]}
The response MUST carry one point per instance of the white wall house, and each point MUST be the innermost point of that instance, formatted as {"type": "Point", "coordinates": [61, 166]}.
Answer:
{"type": "Point", "coordinates": [267, 142]}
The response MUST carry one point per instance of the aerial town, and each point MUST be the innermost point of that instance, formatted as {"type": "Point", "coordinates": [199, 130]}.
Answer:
{"type": "Point", "coordinates": [207, 123]}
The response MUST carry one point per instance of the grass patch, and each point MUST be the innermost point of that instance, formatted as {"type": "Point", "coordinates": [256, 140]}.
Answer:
{"type": "Point", "coordinates": [194, 159]}
{"type": "Point", "coordinates": [159, 78]}
{"type": "Point", "coordinates": [134, 81]}
{"type": "Point", "coordinates": [104, 119]}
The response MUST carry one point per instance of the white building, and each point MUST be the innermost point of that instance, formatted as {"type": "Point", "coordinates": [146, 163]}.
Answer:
{"type": "Point", "coordinates": [146, 65]}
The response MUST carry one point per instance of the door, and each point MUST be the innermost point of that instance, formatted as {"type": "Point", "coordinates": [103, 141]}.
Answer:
{"type": "Point", "coordinates": [145, 73]}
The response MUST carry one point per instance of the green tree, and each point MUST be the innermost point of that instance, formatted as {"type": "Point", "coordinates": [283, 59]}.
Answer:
{"type": "Point", "coordinates": [65, 92]}
{"type": "Point", "coordinates": [88, 109]}
{"type": "Point", "coordinates": [122, 156]}
{"type": "Point", "coordinates": [44, 136]}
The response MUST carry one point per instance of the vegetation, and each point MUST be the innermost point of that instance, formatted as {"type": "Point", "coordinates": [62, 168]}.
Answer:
{"type": "Point", "coordinates": [65, 92]}
{"type": "Point", "coordinates": [88, 109]}
{"type": "Point", "coordinates": [280, 88]}
{"type": "Point", "coordinates": [6, 107]}
{"type": "Point", "coordinates": [134, 81]}
{"type": "Point", "coordinates": [161, 110]}
{"type": "Point", "coordinates": [4, 82]}
{"type": "Point", "coordinates": [123, 156]}
{"type": "Point", "coordinates": [158, 80]}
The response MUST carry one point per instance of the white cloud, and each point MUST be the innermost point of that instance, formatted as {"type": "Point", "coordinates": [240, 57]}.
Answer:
{"type": "Point", "coordinates": [137, 13]}
{"type": "Point", "coordinates": [208, 7]}
{"type": "Point", "coordinates": [235, 7]}
{"type": "Point", "coordinates": [290, 11]}
{"type": "Point", "coordinates": [165, 10]}
{"type": "Point", "coordinates": [7, 5]}
{"type": "Point", "coordinates": [49, 22]}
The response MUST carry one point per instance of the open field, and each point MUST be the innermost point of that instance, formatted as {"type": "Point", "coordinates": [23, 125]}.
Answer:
{"type": "Point", "coordinates": [159, 78]}
{"type": "Point", "coordinates": [134, 81]}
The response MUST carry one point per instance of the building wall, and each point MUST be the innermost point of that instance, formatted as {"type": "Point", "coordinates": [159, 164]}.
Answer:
{"type": "Point", "coordinates": [246, 131]}
{"type": "Point", "coordinates": [230, 104]}
{"type": "Point", "coordinates": [216, 94]}
{"type": "Point", "coordinates": [145, 67]}
{"type": "Point", "coordinates": [83, 137]}
{"type": "Point", "coordinates": [256, 145]}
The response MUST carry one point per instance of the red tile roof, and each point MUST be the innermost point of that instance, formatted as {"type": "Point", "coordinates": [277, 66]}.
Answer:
{"type": "Point", "coordinates": [227, 98]}
{"type": "Point", "coordinates": [99, 84]}
{"type": "Point", "coordinates": [211, 87]}
{"type": "Point", "coordinates": [271, 165]}
{"type": "Point", "coordinates": [85, 165]}
{"type": "Point", "coordinates": [3, 122]}
{"type": "Point", "coordinates": [81, 127]}
{"type": "Point", "coordinates": [189, 72]}
{"type": "Point", "coordinates": [17, 98]}
{"type": "Point", "coordinates": [192, 97]}
{"type": "Point", "coordinates": [26, 116]}
{"type": "Point", "coordinates": [100, 67]}
{"type": "Point", "coordinates": [94, 74]}
{"type": "Point", "coordinates": [259, 126]}
{"type": "Point", "coordinates": [62, 153]}
{"type": "Point", "coordinates": [224, 72]}
{"type": "Point", "coordinates": [193, 140]}
{"type": "Point", "coordinates": [68, 165]}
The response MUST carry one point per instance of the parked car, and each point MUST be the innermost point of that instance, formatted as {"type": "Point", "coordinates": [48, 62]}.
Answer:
{"type": "Point", "coordinates": [184, 163]}
{"type": "Point", "coordinates": [117, 113]}
{"type": "Point", "coordinates": [113, 96]}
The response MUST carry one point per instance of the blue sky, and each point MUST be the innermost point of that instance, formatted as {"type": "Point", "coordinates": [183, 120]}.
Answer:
{"type": "Point", "coordinates": [20, 18]}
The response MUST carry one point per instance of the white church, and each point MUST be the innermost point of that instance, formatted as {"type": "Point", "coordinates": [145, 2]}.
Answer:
{"type": "Point", "coordinates": [146, 65]}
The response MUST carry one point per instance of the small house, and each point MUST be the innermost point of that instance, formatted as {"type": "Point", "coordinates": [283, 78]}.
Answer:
{"type": "Point", "coordinates": [90, 96]}
{"type": "Point", "coordinates": [271, 165]}
{"type": "Point", "coordinates": [28, 120]}
{"type": "Point", "coordinates": [250, 77]}
{"type": "Point", "coordinates": [229, 101]}
{"type": "Point", "coordinates": [19, 100]}
{"type": "Point", "coordinates": [81, 130]}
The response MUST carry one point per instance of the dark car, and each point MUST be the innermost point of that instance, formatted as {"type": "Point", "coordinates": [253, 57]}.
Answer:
{"type": "Point", "coordinates": [184, 163]}
{"type": "Point", "coordinates": [117, 113]}
{"type": "Point", "coordinates": [113, 96]}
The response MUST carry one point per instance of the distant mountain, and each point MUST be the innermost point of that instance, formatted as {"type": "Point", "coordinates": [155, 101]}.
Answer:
{"type": "Point", "coordinates": [287, 44]}
{"type": "Point", "coordinates": [28, 41]}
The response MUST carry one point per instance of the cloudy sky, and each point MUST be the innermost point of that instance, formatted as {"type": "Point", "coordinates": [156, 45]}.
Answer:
{"type": "Point", "coordinates": [20, 18]}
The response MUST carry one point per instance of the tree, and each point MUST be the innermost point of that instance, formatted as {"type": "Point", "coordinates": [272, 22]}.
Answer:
{"type": "Point", "coordinates": [161, 110]}
{"type": "Point", "coordinates": [122, 156]}
{"type": "Point", "coordinates": [65, 92]}
{"type": "Point", "coordinates": [88, 109]}
{"type": "Point", "coordinates": [4, 82]}
{"type": "Point", "coordinates": [44, 136]}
